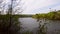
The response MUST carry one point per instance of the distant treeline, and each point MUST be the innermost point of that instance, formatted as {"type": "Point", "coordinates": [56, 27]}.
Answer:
{"type": "Point", "coordinates": [53, 15]}
{"type": "Point", "coordinates": [25, 15]}
{"type": "Point", "coordinates": [18, 15]}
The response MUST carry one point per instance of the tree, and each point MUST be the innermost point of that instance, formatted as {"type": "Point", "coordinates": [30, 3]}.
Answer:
{"type": "Point", "coordinates": [15, 8]}
{"type": "Point", "coordinates": [8, 26]}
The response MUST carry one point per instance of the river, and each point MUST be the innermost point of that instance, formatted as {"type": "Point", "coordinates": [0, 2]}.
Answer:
{"type": "Point", "coordinates": [31, 24]}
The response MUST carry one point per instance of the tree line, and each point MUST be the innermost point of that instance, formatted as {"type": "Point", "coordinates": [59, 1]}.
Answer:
{"type": "Point", "coordinates": [53, 15]}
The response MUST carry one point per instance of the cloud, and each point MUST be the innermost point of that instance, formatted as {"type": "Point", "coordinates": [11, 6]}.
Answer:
{"type": "Point", "coordinates": [36, 6]}
{"type": "Point", "coordinates": [32, 5]}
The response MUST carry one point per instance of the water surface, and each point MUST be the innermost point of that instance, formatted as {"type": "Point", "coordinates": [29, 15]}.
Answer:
{"type": "Point", "coordinates": [31, 24]}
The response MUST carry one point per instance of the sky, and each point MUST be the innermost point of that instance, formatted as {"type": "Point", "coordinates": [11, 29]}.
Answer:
{"type": "Point", "coordinates": [40, 6]}
{"type": "Point", "coordinates": [34, 6]}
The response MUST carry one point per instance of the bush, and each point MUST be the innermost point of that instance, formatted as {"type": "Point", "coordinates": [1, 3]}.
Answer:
{"type": "Point", "coordinates": [9, 24]}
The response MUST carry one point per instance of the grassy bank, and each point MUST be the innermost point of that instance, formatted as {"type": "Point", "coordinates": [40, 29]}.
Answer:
{"type": "Point", "coordinates": [53, 15]}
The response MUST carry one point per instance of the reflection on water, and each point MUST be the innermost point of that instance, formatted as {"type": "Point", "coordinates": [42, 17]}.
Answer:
{"type": "Point", "coordinates": [53, 27]}
{"type": "Point", "coordinates": [30, 25]}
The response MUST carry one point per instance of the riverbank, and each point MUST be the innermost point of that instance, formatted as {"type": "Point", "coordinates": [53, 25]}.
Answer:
{"type": "Point", "coordinates": [9, 24]}
{"type": "Point", "coordinates": [53, 15]}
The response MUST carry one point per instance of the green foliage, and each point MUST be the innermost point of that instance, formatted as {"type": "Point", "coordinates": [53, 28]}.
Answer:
{"type": "Point", "coordinates": [54, 15]}
{"type": "Point", "coordinates": [9, 24]}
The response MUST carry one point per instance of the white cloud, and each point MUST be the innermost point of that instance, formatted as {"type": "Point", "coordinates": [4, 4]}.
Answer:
{"type": "Point", "coordinates": [31, 5]}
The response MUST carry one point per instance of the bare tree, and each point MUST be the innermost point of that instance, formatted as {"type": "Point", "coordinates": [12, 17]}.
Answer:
{"type": "Point", "coordinates": [2, 6]}
{"type": "Point", "coordinates": [9, 18]}
{"type": "Point", "coordinates": [15, 8]}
